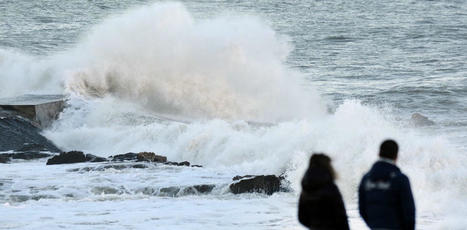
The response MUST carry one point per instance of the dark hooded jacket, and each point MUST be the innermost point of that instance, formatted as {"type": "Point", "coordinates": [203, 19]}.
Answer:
{"type": "Point", "coordinates": [385, 198]}
{"type": "Point", "coordinates": [321, 206]}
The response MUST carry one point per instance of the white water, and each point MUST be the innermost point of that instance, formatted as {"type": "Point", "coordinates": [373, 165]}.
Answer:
{"type": "Point", "coordinates": [132, 71]}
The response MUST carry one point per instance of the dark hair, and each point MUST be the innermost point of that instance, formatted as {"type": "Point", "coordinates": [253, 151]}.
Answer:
{"type": "Point", "coordinates": [321, 160]}
{"type": "Point", "coordinates": [389, 149]}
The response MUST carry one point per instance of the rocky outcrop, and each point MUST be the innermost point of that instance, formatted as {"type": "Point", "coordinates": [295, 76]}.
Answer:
{"type": "Point", "coordinates": [268, 184]}
{"type": "Point", "coordinates": [74, 157]}
{"type": "Point", "coordinates": [22, 135]}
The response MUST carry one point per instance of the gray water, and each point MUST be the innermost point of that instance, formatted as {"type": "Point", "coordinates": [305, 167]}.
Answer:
{"type": "Point", "coordinates": [399, 57]}
{"type": "Point", "coordinates": [410, 55]}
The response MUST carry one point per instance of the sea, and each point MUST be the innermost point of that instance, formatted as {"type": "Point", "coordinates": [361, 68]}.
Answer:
{"type": "Point", "coordinates": [240, 87]}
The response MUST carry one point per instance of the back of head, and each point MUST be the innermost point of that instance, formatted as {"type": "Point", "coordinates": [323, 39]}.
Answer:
{"type": "Point", "coordinates": [389, 150]}
{"type": "Point", "coordinates": [320, 160]}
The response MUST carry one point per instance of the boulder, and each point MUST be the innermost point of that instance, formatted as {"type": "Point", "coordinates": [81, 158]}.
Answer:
{"type": "Point", "coordinates": [268, 184]}
{"type": "Point", "coordinates": [67, 158]}
{"type": "Point", "coordinates": [74, 157]}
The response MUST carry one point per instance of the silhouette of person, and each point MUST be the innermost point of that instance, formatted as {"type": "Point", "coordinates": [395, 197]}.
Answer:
{"type": "Point", "coordinates": [384, 196]}
{"type": "Point", "coordinates": [320, 205]}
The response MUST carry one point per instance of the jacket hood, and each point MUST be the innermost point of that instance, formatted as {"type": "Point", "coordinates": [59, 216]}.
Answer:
{"type": "Point", "coordinates": [383, 171]}
{"type": "Point", "coordinates": [316, 178]}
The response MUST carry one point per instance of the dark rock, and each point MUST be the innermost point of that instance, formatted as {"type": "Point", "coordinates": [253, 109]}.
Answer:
{"type": "Point", "coordinates": [93, 158]}
{"type": "Point", "coordinates": [262, 184]}
{"type": "Point", "coordinates": [197, 166]}
{"type": "Point", "coordinates": [184, 163]}
{"type": "Point", "coordinates": [4, 159]}
{"type": "Point", "coordinates": [22, 135]}
{"type": "Point", "coordinates": [161, 159]}
{"type": "Point", "coordinates": [67, 158]}
{"type": "Point", "coordinates": [204, 188]}
{"type": "Point", "coordinates": [125, 157]}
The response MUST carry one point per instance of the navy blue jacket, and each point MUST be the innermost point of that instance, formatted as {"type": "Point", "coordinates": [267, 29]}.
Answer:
{"type": "Point", "coordinates": [385, 199]}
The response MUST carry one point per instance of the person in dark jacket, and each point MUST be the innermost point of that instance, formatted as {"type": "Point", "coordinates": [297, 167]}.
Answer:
{"type": "Point", "coordinates": [384, 196]}
{"type": "Point", "coordinates": [320, 205]}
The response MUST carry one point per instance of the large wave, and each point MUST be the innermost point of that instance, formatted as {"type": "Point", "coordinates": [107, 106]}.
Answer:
{"type": "Point", "coordinates": [229, 67]}
{"type": "Point", "coordinates": [158, 59]}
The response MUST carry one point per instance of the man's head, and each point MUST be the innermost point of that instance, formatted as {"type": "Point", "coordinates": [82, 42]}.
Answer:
{"type": "Point", "coordinates": [389, 150]}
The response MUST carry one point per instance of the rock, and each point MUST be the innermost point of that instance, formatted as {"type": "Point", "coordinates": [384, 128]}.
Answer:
{"type": "Point", "coordinates": [161, 159]}
{"type": "Point", "coordinates": [419, 120]}
{"type": "Point", "coordinates": [151, 157]}
{"type": "Point", "coordinates": [74, 157]}
{"type": "Point", "coordinates": [67, 158]}
{"type": "Point", "coordinates": [197, 166]}
{"type": "Point", "coordinates": [125, 157]}
{"type": "Point", "coordinates": [4, 159]}
{"type": "Point", "coordinates": [184, 163]}
{"type": "Point", "coordinates": [22, 135]}
{"type": "Point", "coordinates": [146, 156]}
{"type": "Point", "coordinates": [204, 188]}
{"type": "Point", "coordinates": [93, 158]}
{"type": "Point", "coordinates": [262, 184]}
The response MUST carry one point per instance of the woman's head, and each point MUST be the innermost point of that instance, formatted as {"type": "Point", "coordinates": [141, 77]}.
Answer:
{"type": "Point", "coordinates": [321, 160]}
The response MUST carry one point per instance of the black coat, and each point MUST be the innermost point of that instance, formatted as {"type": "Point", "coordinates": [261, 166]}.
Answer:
{"type": "Point", "coordinates": [321, 206]}
{"type": "Point", "coordinates": [385, 198]}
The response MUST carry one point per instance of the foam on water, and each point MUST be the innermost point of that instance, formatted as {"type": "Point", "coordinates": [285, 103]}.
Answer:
{"type": "Point", "coordinates": [133, 70]}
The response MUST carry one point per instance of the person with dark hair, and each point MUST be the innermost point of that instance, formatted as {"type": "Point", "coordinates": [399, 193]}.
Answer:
{"type": "Point", "coordinates": [384, 196]}
{"type": "Point", "coordinates": [320, 206]}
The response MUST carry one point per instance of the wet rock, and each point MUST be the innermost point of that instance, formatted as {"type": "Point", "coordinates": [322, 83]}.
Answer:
{"type": "Point", "coordinates": [93, 158]}
{"type": "Point", "coordinates": [125, 157]}
{"type": "Point", "coordinates": [22, 135]}
{"type": "Point", "coordinates": [183, 163]}
{"type": "Point", "coordinates": [204, 188]}
{"type": "Point", "coordinates": [4, 159]}
{"type": "Point", "coordinates": [419, 120]}
{"type": "Point", "coordinates": [67, 158]}
{"type": "Point", "coordinates": [74, 157]}
{"type": "Point", "coordinates": [241, 177]}
{"type": "Point", "coordinates": [151, 157]}
{"type": "Point", "coordinates": [262, 184]}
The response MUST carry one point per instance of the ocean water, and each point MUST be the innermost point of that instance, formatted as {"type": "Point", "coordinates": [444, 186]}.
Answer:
{"type": "Point", "coordinates": [240, 87]}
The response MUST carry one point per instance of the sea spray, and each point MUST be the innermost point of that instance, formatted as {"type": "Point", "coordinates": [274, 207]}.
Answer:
{"type": "Point", "coordinates": [159, 56]}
